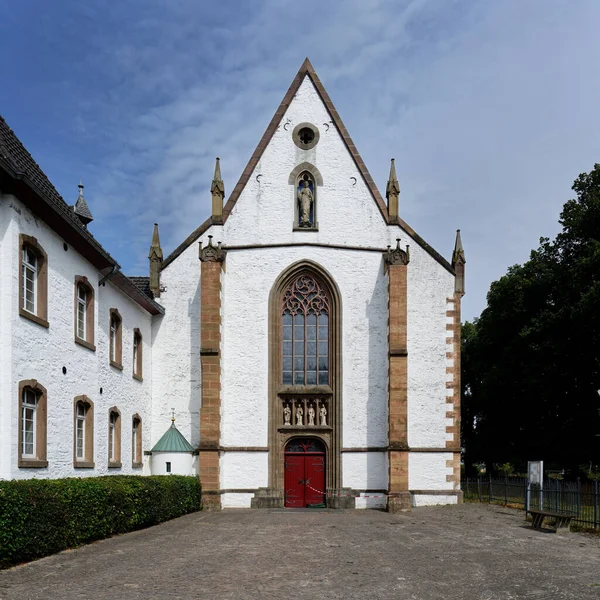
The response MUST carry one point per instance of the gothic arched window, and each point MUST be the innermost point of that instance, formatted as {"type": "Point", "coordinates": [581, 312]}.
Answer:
{"type": "Point", "coordinates": [305, 329]}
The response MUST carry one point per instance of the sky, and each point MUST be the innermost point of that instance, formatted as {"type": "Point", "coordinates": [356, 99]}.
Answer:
{"type": "Point", "coordinates": [490, 108]}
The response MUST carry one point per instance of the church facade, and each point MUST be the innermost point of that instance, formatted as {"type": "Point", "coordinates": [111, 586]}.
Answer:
{"type": "Point", "coordinates": [306, 338]}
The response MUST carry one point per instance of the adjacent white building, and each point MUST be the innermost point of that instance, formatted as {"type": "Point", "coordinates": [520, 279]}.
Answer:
{"type": "Point", "coordinates": [307, 338]}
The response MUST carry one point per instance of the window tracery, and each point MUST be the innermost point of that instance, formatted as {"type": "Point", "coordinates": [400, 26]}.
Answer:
{"type": "Point", "coordinates": [305, 325]}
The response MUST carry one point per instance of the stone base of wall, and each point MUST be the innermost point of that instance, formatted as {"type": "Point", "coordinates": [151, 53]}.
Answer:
{"type": "Point", "coordinates": [341, 499]}
{"type": "Point", "coordinates": [399, 502]}
{"type": "Point", "coordinates": [211, 501]}
{"type": "Point", "coordinates": [267, 498]}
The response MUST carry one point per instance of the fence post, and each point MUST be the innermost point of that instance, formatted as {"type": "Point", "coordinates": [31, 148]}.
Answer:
{"type": "Point", "coordinates": [479, 486]}
{"type": "Point", "coordinates": [491, 494]}
{"type": "Point", "coordinates": [595, 503]}
{"type": "Point", "coordinates": [556, 503]}
{"type": "Point", "coordinates": [505, 489]}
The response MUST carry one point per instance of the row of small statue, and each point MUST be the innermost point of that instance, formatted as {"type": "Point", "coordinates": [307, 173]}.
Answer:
{"type": "Point", "coordinates": [287, 415]}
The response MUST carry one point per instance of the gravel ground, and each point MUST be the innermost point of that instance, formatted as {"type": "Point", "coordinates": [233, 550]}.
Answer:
{"type": "Point", "coordinates": [469, 551]}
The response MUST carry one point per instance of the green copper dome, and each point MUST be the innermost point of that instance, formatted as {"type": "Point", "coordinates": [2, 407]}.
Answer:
{"type": "Point", "coordinates": [172, 441]}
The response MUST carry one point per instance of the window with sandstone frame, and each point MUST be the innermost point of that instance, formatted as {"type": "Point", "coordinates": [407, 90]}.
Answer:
{"type": "Point", "coordinates": [137, 355]}
{"type": "Point", "coordinates": [114, 438]}
{"type": "Point", "coordinates": [83, 433]}
{"type": "Point", "coordinates": [136, 441]}
{"type": "Point", "coordinates": [84, 313]}
{"type": "Point", "coordinates": [33, 280]}
{"type": "Point", "coordinates": [116, 339]}
{"type": "Point", "coordinates": [32, 425]}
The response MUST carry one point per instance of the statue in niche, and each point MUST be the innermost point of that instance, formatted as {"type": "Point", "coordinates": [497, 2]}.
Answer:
{"type": "Point", "coordinates": [287, 415]}
{"type": "Point", "coordinates": [323, 415]}
{"type": "Point", "coordinates": [305, 204]}
{"type": "Point", "coordinates": [311, 415]}
{"type": "Point", "coordinates": [299, 416]}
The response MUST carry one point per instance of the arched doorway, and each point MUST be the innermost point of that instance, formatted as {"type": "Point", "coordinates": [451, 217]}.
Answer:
{"type": "Point", "coordinates": [304, 473]}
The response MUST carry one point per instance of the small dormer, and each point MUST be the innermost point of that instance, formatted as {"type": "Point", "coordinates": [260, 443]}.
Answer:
{"type": "Point", "coordinates": [81, 208]}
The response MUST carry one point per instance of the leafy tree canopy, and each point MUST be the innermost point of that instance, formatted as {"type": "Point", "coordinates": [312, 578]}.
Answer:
{"type": "Point", "coordinates": [531, 361]}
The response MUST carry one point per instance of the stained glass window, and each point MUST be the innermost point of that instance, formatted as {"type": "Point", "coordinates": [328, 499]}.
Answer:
{"type": "Point", "coordinates": [305, 333]}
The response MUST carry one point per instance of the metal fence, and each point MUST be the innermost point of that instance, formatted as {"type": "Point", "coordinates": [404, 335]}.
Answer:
{"type": "Point", "coordinates": [573, 497]}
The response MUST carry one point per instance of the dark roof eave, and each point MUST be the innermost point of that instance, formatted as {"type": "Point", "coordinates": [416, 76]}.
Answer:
{"type": "Point", "coordinates": [121, 281]}
{"type": "Point", "coordinates": [81, 240]}
{"type": "Point", "coordinates": [77, 236]}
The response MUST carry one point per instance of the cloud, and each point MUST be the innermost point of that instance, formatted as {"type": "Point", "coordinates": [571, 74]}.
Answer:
{"type": "Point", "coordinates": [490, 109]}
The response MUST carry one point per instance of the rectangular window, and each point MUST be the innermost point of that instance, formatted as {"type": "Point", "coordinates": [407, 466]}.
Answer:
{"type": "Point", "coordinates": [111, 437]}
{"type": "Point", "coordinates": [168, 467]}
{"type": "Point", "coordinates": [30, 271]}
{"type": "Point", "coordinates": [28, 407]}
{"type": "Point", "coordinates": [137, 354]}
{"type": "Point", "coordinates": [80, 432]}
{"type": "Point", "coordinates": [113, 339]}
{"type": "Point", "coordinates": [134, 442]}
{"type": "Point", "coordinates": [81, 311]}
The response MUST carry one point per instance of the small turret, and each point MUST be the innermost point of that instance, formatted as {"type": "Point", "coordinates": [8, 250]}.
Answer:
{"type": "Point", "coordinates": [392, 193]}
{"type": "Point", "coordinates": [458, 264]}
{"type": "Point", "coordinates": [81, 208]}
{"type": "Point", "coordinates": [155, 257]}
{"type": "Point", "coordinates": [217, 190]}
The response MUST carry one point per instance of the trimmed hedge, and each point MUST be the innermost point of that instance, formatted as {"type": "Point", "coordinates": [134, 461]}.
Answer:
{"type": "Point", "coordinates": [43, 516]}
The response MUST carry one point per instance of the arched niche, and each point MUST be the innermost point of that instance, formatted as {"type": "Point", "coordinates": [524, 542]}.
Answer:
{"type": "Point", "coordinates": [305, 178]}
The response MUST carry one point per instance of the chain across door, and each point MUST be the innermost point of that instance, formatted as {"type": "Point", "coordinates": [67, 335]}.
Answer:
{"type": "Point", "coordinates": [304, 473]}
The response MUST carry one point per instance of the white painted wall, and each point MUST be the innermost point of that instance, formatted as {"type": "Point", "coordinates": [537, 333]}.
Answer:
{"type": "Point", "coordinates": [41, 353]}
{"type": "Point", "coordinates": [347, 215]}
{"type": "Point", "coordinates": [8, 264]}
{"type": "Point", "coordinates": [182, 463]}
{"type": "Point", "coordinates": [176, 349]}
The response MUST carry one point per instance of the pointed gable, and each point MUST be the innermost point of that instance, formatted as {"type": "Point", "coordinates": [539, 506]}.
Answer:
{"type": "Point", "coordinates": [307, 71]}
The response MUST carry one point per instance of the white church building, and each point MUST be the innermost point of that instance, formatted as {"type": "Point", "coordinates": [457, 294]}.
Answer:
{"type": "Point", "coordinates": [305, 336]}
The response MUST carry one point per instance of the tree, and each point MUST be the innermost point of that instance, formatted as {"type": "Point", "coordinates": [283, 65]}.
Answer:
{"type": "Point", "coordinates": [531, 361]}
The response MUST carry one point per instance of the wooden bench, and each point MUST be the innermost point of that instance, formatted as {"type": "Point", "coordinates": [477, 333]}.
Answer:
{"type": "Point", "coordinates": [563, 520]}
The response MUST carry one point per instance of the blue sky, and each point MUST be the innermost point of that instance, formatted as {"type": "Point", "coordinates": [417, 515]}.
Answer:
{"type": "Point", "coordinates": [490, 108]}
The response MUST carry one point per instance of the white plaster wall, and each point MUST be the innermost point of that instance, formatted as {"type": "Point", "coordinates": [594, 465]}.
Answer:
{"type": "Point", "coordinates": [8, 264]}
{"type": "Point", "coordinates": [181, 463]}
{"type": "Point", "coordinates": [429, 500]}
{"type": "Point", "coordinates": [347, 215]}
{"type": "Point", "coordinates": [231, 500]}
{"type": "Point", "coordinates": [365, 470]}
{"type": "Point", "coordinates": [176, 349]}
{"type": "Point", "coordinates": [362, 285]}
{"type": "Point", "coordinates": [428, 289]}
{"type": "Point", "coordinates": [241, 470]}
{"type": "Point", "coordinates": [428, 470]}
{"type": "Point", "coordinates": [41, 353]}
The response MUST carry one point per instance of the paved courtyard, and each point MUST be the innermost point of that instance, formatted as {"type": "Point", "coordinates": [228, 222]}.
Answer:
{"type": "Point", "coordinates": [469, 552]}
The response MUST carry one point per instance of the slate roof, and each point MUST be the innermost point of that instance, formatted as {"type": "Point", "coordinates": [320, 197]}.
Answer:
{"type": "Point", "coordinates": [143, 284]}
{"type": "Point", "coordinates": [83, 210]}
{"type": "Point", "coordinates": [45, 200]}
{"type": "Point", "coordinates": [172, 441]}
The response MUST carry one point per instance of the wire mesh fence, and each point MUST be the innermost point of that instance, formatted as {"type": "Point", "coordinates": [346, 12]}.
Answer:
{"type": "Point", "coordinates": [569, 497]}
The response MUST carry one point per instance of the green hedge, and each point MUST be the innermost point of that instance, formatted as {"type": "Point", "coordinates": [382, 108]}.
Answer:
{"type": "Point", "coordinates": [43, 516]}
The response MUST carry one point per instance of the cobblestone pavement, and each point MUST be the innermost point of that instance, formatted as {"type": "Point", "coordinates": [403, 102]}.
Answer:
{"type": "Point", "coordinates": [468, 552]}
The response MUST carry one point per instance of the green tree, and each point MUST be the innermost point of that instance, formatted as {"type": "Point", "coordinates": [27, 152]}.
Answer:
{"type": "Point", "coordinates": [531, 361]}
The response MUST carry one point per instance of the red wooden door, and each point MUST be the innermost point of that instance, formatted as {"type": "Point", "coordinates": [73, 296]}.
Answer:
{"type": "Point", "coordinates": [314, 479]}
{"type": "Point", "coordinates": [294, 481]}
{"type": "Point", "coordinates": [304, 474]}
